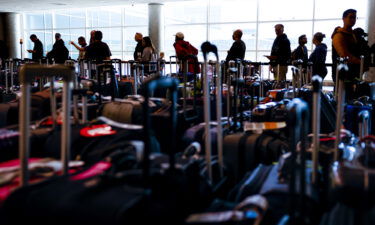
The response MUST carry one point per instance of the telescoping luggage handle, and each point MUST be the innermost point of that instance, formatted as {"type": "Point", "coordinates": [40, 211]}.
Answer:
{"type": "Point", "coordinates": [27, 73]}
{"type": "Point", "coordinates": [149, 87]}
{"type": "Point", "coordinates": [298, 117]}
{"type": "Point", "coordinates": [317, 86]}
{"type": "Point", "coordinates": [342, 70]}
{"type": "Point", "coordinates": [206, 48]}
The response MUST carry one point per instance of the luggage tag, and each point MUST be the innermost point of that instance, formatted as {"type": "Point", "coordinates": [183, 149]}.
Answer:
{"type": "Point", "coordinates": [97, 131]}
{"type": "Point", "coordinates": [260, 126]}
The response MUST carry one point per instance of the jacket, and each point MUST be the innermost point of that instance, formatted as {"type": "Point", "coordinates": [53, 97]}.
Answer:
{"type": "Point", "coordinates": [281, 49]}
{"type": "Point", "coordinates": [184, 49]}
{"type": "Point", "coordinates": [59, 52]}
{"type": "Point", "coordinates": [318, 58]}
{"type": "Point", "coordinates": [345, 44]}
{"type": "Point", "coordinates": [237, 51]}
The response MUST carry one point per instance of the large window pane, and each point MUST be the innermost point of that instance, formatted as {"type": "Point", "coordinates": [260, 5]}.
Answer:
{"type": "Point", "coordinates": [334, 9]}
{"type": "Point", "coordinates": [233, 11]}
{"type": "Point", "coordinates": [34, 21]}
{"type": "Point", "coordinates": [115, 18]}
{"type": "Point", "coordinates": [61, 20]}
{"type": "Point", "coordinates": [136, 15]}
{"type": "Point", "coordinates": [285, 10]}
{"type": "Point", "coordinates": [221, 35]}
{"type": "Point", "coordinates": [49, 40]}
{"type": "Point", "coordinates": [48, 20]}
{"type": "Point", "coordinates": [77, 19]}
{"type": "Point", "coordinates": [185, 12]}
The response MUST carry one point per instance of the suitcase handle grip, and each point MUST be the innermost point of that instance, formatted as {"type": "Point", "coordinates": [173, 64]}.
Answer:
{"type": "Point", "coordinates": [27, 73]}
{"type": "Point", "coordinates": [316, 83]}
{"type": "Point", "coordinates": [149, 87]}
{"type": "Point", "coordinates": [298, 117]}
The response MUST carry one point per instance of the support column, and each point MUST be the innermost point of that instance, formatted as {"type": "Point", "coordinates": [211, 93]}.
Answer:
{"type": "Point", "coordinates": [156, 25]}
{"type": "Point", "coordinates": [10, 32]}
{"type": "Point", "coordinates": [371, 34]}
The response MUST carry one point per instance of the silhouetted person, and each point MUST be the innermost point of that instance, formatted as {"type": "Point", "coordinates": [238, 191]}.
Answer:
{"type": "Point", "coordinates": [280, 54]}
{"type": "Point", "coordinates": [59, 52]}
{"type": "Point", "coordinates": [318, 56]}
{"type": "Point", "coordinates": [98, 50]}
{"type": "Point", "coordinates": [301, 51]}
{"type": "Point", "coordinates": [37, 51]}
{"type": "Point", "coordinates": [238, 49]}
{"type": "Point", "coordinates": [346, 45]}
{"type": "Point", "coordinates": [139, 48]}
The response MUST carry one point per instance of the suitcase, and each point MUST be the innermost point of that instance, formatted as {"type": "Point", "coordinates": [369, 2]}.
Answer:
{"type": "Point", "coordinates": [119, 195]}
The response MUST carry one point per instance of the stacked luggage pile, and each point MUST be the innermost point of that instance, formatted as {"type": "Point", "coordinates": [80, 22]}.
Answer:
{"type": "Point", "coordinates": [102, 143]}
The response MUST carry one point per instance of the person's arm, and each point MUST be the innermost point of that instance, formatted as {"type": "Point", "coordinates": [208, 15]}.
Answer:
{"type": "Point", "coordinates": [77, 47]}
{"type": "Point", "coordinates": [108, 53]}
{"type": "Point", "coordinates": [341, 48]}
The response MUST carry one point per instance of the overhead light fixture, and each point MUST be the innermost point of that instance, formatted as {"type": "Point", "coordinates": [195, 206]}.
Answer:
{"type": "Point", "coordinates": [58, 3]}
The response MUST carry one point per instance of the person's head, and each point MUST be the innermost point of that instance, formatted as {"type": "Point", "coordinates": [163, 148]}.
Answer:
{"type": "Point", "coordinates": [33, 37]}
{"type": "Point", "coordinates": [138, 37]}
{"type": "Point", "coordinates": [82, 41]}
{"type": "Point", "coordinates": [279, 29]}
{"type": "Point", "coordinates": [237, 35]}
{"type": "Point", "coordinates": [98, 36]}
{"type": "Point", "coordinates": [92, 33]}
{"type": "Point", "coordinates": [179, 36]}
{"type": "Point", "coordinates": [302, 40]}
{"type": "Point", "coordinates": [146, 42]}
{"type": "Point", "coordinates": [161, 55]}
{"type": "Point", "coordinates": [349, 18]}
{"type": "Point", "coordinates": [318, 38]}
{"type": "Point", "coordinates": [57, 36]}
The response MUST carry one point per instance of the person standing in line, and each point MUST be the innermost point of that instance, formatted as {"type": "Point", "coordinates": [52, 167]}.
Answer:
{"type": "Point", "coordinates": [280, 54]}
{"type": "Point", "coordinates": [346, 45]}
{"type": "Point", "coordinates": [82, 49]}
{"type": "Point", "coordinates": [92, 36]}
{"type": "Point", "coordinates": [238, 49]}
{"type": "Point", "coordinates": [59, 52]}
{"type": "Point", "coordinates": [148, 54]}
{"type": "Point", "coordinates": [98, 50]}
{"type": "Point", "coordinates": [37, 51]}
{"type": "Point", "coordinates": [139, 48]}
{"type": "Point", "coordinates": [318, 56]}
{"type": "Point", "coordinates": [334, 56]}
{"type": "Point", "coordinates": [301, 53]}
{"type": "Point", "coordinates": [183, 49]}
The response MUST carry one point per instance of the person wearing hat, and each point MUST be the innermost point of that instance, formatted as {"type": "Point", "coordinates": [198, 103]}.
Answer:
{"type": "Point", "coordinates": [318, 56]}
{"type": "Point", "coordinates": [59, 52]}
{"type": "Point", "coordinates": [238, 49]}
{"type": "Point", "coordinates": [184, 49]}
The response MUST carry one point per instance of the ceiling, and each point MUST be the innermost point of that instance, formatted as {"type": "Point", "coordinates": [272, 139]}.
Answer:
{"type": "Point", "coordinates": [35, 5]}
